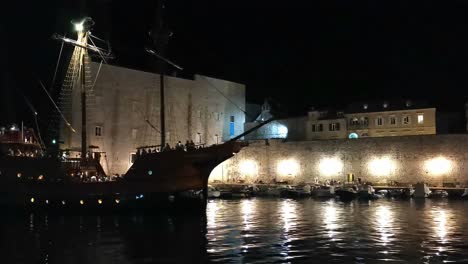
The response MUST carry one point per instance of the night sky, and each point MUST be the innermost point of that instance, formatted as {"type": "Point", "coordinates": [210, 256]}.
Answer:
{"type": "Point", "coordinates": [326, 53]}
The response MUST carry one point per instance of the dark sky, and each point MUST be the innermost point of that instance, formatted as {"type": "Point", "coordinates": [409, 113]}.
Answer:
{"type": "Point", "coordinates": [326, 53]}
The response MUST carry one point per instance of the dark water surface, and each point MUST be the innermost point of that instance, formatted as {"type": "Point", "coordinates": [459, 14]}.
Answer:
{"type": "Point", "coordinates": [247, 231]}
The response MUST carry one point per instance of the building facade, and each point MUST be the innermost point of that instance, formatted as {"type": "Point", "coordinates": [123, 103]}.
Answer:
{"type": "Point", "coordinates": [325, 125]}
{"type": "Point", "coordinates": [126, 113]}
{"type": "Point", "coordinates": [390, 119]}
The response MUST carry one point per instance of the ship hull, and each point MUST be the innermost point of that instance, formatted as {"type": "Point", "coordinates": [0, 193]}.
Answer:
{"type": "Point", "coordinates": [154, 180]}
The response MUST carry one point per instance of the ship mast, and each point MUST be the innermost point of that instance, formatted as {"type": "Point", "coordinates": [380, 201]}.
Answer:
{"type": "Point", "coordinates": [160, 38]}
{"type": "Point", "coordinates": [82, 39]}
{"type": "Point", "coordinates": [81, 46]}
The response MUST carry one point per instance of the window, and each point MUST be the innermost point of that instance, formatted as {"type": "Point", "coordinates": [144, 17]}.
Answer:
{"type": "Point", "coordinates": [364, 121]}
{"type": "Point", "coordinates": [216, 138]}
{"type": "Point", "coordinates": [98, 131]}
{"type": "Point", "coordinates": [406, 120]}
{"type": "Point", "coordinates": [392, 120]}
{"type": "Point", "coordinates": [199, 114]}
{"type": "Point", "coordinates": [134, 133]}
{"type": "Point", "coordinates": [354, 121]}
{"type": "Point", "coordinates": [132, 158]}
{"type": "Point", "coordinates": [320, 127]}
{"type": "Point", "coordinates": [379, 121]}
{"type": "Point", "coordinates": [216, 114]}
{"type": "Point", "coordinates": [420, 119]}
{"type": "Point", "coordinates": [314, 127]}
{"type": "Point", "coordinates": [231, 126]}
{"type": "Point", "coordinates": [334, 127]}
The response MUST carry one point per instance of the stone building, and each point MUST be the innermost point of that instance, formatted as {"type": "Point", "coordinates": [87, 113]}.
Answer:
{"type": "Point", "coordinates": [127, 113]}
{"type": "Point", "coordinates": [287, 128]}
{"type": "Point", "coordinates": [383, 119]}
{"type": "Point", "coordinates": [325, 125]}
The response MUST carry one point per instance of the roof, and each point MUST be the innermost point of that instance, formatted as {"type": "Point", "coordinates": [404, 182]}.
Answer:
{"type": "Point", "coordinates": [385, 105]}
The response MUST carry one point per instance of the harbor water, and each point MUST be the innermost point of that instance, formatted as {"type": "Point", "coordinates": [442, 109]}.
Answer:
{"type": "Point", "coordinates": [255, 230]}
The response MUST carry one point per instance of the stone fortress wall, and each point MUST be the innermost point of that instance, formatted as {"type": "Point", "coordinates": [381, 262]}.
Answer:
{"type": "Point", "coordinates": [434, 159]}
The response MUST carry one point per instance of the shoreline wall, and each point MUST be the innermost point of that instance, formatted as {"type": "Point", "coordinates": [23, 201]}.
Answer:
{"type": "Point", "coordinates": [434, 159]}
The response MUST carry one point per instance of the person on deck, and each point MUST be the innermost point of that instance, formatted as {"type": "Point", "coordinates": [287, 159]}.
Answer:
{"type": "Point", "coordinates": [166, 147]}
{"type": "Point", "coordinates": [191, 145]}
{"type": "Point", "coordinates": [180, 146]}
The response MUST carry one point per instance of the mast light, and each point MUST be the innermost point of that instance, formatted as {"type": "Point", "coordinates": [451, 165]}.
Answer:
{"type": "Point", "coordinates": [79, 26]}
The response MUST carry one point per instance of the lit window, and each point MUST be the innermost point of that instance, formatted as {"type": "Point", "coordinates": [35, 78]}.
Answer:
{"type": "Point", "coordinates": [406, 120]}
{"type": "Point", "coordinates": [420, 119]}
{"type": "Point", "coordinates": [379, 121]}
{"type": "Point", "coordinates": [231, 126]}
{"type": "Point", "coordinates": [392, 120]}
{"type": "Point", "coordinates": [98, 131]}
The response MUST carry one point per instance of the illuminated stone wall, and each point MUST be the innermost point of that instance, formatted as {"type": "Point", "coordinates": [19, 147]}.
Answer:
{"type": "Point", "coordinates": [434, 159]}
{"type": "Point", "coordinates": [199, 109]}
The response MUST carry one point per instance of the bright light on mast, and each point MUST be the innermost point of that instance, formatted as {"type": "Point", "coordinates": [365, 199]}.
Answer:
{"type": "Point", "coordinates": [79, 26]}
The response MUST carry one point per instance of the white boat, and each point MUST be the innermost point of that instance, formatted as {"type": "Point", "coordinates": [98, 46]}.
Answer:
{"type": "Point", "coordinates": [213, 192]}
{"type": "Point", "coordinates": [465, 193]}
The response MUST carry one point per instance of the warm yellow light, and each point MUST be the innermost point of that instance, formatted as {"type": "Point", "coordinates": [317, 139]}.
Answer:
{"type": "Point", "coordinates": [63, 202]}
{"type": "Point", "coordinates": [47, 201]}
{"type": "Point", "coordinates": [99, 201]}
{"type": "Point", "coordinates": [32, 200]}
{"type": "Point", "coordinates": [248, 167]}
{"type": "Point", "coordinates": [384, 166]}
{"type": "Point", "coordinates": [330, 166]}
{"type": "Point", "coordinates": [18, 174]}
{"type": "Point", "coordinates": [438, 166]}
{"type": "Point", "coordinates": [41, 177]}
{"type": "Point", "coordinates": [81, 202]}
{"type": "Point", "coordinates": [288, 167]}
{"type": "Point", "coordinates": [117, 201]}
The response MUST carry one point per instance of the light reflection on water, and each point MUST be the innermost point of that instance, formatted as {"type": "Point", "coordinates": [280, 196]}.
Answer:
{"type": "Point", "coordinates": [247, 231]}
